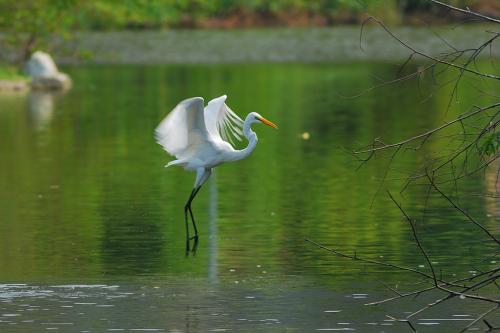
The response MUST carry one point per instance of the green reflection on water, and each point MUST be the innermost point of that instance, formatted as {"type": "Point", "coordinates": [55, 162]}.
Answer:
{"type": "Point", "coordinates": [84, 193]}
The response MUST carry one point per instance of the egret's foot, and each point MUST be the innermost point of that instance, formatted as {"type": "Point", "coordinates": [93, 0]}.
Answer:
{"type": "Point", "coordinates": [195, 246]}
{"type": "Point", "coordinates": [190, 249]}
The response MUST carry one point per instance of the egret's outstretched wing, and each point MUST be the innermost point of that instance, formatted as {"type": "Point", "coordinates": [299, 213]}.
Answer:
{"type": "Point", "coordinates": [183, 129]}
{"type": "Point", "coordinates": [222, 123]}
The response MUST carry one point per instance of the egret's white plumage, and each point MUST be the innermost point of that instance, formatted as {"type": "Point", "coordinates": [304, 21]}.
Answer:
{"type": "Point", "coordinates": [183, 129]}
{"type": "Point", "coordinates": [202, 137]}
{"type": "Point", "coordinates": [222, 123]}
{"type": "Point", "coordinates": [198, 136]}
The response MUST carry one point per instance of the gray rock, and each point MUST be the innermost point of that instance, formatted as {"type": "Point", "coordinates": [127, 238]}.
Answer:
{"type": "Point", "coordinates": [44, 73]}
{"type": "Point", "coordinates": [60, 81]}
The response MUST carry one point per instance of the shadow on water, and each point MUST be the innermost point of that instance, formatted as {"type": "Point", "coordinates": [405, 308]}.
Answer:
{"type": "Point", "coordinates": [130, 242]}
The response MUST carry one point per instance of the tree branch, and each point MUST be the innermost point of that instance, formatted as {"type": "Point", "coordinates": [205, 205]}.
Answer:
{"type": "Point", "coordinates": [464, 213]}
{"type": "Point", "coordinates": [466, 11]}
{"type": "Point", "coordinates": [427, 134]}
{"type": "Point", "coordinates": [425, 55]}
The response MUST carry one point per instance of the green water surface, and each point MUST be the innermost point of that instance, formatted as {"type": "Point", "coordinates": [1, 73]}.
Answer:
{"type": "Point", "coordinates": [89, 217]}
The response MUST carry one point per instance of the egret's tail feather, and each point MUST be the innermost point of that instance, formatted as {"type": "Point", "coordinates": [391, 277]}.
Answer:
{"type": "Point", "coordinates": [176, 162]}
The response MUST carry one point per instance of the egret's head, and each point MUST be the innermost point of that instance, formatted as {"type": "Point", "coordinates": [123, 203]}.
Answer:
{"type": "Point", "coordinates": [257, 118]}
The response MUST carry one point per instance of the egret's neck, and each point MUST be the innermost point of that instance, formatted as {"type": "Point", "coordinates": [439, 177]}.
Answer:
{"type": "Point", "coordinates": [252, 141]}
{"type": "Point", "coordinates": [247, 131]}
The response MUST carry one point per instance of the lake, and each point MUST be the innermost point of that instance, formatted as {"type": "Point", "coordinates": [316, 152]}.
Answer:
{"type": "Point", "coordinates": [91, 223]}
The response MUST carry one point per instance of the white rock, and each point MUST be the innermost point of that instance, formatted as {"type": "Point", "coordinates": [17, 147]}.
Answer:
{"type": "Point", "coordinates": [44, 73]}
{"type": "Point", "coordinates": [41, 65]}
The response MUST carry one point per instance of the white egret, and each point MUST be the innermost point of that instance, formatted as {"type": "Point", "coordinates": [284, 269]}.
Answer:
{"type": "Point", "coordinates": [201, 138]}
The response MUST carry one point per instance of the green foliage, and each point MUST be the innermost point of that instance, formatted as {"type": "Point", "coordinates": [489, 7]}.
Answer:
{"type": "Point", "coordinates": [490, 145]}
{"type": "Point", "coordinates": [28, 24]}
{"type": "Point", "coordinates": [106, 14]}
{"type": "Point", "coordinates": [44, 17]}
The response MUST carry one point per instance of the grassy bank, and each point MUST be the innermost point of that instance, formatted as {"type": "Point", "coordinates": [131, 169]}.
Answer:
{"type": "Point", "coordinates": [12, 80]}
{"type": "Point", "coordinates": [8, 72]}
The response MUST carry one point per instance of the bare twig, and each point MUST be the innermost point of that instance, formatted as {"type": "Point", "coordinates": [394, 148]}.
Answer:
{"type": "Point", "coordinates": [425, 55]}
{"type": "Point", "coordinates": [479, 318]}
{"type": "Point", "coordinates": [464, 213]}
{"type": "Point", "coordinates": [403, 321]}
{"type": "Point", "coordinates": [462, 157]}
{"type": "Point", "coordinates": [421, 291]}
{"type": "Point", "coordinates": [381, 263]}
{"type": "Point", "coordinates": [415, 237]}
{"type": "Point", "coordinates": [432, 131]}
{"type": "Point", "coordinates": [466, 11]}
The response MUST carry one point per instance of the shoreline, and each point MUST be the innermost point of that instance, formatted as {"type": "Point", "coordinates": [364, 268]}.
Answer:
{"type": "Point", "coordinates": [14, 86]}
{"type": "Point", "coordinates": [335, 44]}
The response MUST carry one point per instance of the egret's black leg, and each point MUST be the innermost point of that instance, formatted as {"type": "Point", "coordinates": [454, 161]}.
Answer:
{"type": "Point", "coordinates": [195, 246]}
{"type": "Point", "coordinates": [202, 175]}
{"type": "Point", "coordinates": [187, 207]}
{"type": "Point", "coordinates": [195, 191]}
{"type": "Point", "coordinates": [194, 224]}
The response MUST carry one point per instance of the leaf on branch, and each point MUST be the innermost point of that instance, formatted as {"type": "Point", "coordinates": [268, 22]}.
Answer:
{"type": "Point", "coordinates": [490, 145]}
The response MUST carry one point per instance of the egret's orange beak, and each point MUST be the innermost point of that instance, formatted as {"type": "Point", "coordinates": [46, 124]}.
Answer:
{"type": "Point", "coordinates": [267, 122]}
